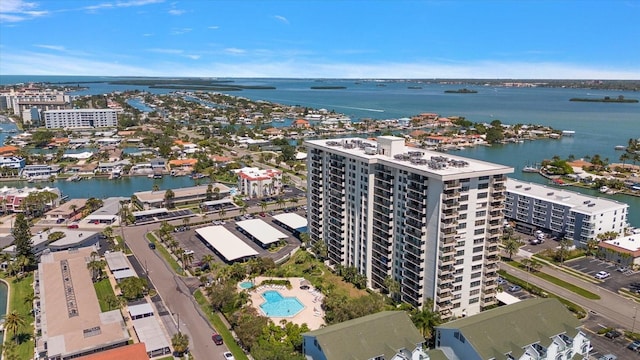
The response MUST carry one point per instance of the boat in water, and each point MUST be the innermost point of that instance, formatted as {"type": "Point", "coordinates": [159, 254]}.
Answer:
{"type": "Point", "coordinates": [604, 189]}
{"type": "Point", "coordinates": [530, 169]}
{"type": "Point", "coordinates": [620, 147]}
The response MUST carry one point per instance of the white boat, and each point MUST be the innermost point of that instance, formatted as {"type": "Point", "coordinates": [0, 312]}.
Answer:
{"type": "Point", "coordinates": [278, 120]}
{"type": "Point", "coordinates": [604, 189]}
{"type": "Point", "coordinates": [530, 169]}
{"type": "Point", "coordinates": [568, 132]}
{"type": "Point", "coordinates": [620, 147]}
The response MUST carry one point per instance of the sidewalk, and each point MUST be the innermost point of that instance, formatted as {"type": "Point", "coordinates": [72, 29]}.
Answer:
{"type": "Point", "coordinates": [611, 305]}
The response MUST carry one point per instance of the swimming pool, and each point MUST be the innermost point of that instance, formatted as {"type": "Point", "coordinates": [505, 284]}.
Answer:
{"type": "Point", "coordinates": [278, 306]}
{"type": "Point", "coordinates": [246, 284]}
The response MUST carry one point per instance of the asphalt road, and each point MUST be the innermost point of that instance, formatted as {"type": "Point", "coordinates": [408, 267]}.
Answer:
{"type": "Point", "coordinates": [620, 311]}
{"type": "Point", "coordinates": [176, 295]}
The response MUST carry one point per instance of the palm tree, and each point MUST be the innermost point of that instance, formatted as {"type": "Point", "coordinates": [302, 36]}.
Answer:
{"type": "Point", "coordinates": [180, 343]}
{"type": "Point", "coordinates": [281, 202]}
{"type": "Point", "coordinates": [592, 246]}
{"type": "Point", "coordinates": [243, 209]}
{"type": "Point", "coordinates": [187, 259]}
{"type": "Point", "coordinates": [222, 212]}
{"type": "Point", "coordinates": [30, 298]}
{"type": "Point", "coordinates": [13, 321]}
{"type": "Point", "coordinates": [96, 267]}
{"type": "Point", "coordinates": [426, 319]}
{"type": "Point", "coordinates": [511, 246]}
{"type": "Point", "coordinates": [624, 157]}
{"type": "Point", "coordinates": [169, 195]}
{"type": "Point", "coordinates": [393, 286]}
{"type": "Point", "coordinates": [173, 244]}
{"type": "Point", "coordinates": [563, 251]}
{"type": "Point", "coordinates": [208, 259]}
{"type": "Point", "coordinates": [263, 205]}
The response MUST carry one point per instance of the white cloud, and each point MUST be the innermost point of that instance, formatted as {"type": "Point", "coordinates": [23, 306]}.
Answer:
{"type": "Point", "coordinates": [176, 12]}
{"type": "Point", "coordinates": [165, 51]}
{"type": "Point", "coordinates": [180, 31]}
{"type": "Point", "coordinates": [234, 51]}
{"type": "Point", "coordinates": [38, 63]}
{"type": "Point", "coordinates": [122, 4]}
{"type": "Point", "coordinates": [51, 47]}
{"type": "Point", "coordinates": [213, 27]}
{"type": "Point", "coordinates": [147, 34]}
{"type": "Point", "coordinates": [282, 19]}
{"type": "Point", "coordinates": [19, 10]}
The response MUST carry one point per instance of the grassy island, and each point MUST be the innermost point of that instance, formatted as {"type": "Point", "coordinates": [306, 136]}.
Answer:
{"type": "Point", "coordinates": [606, 99]}
{"type": "Point", "coordinates": [461, 91]}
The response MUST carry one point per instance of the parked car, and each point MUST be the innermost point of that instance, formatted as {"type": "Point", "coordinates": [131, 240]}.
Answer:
{"type": "Point", "coordinates": [501, 281]}
{"type": "Point", "coordinates": [152, 246]}
{"type": "Point", "coordinates": [612, 334]}
{"type": "Point", "coordinates": [601, 275]}
{"type": "Point", "coordinates": [217, 339]}
{"type": "Point", "coordinates": [608, 357]}
{"type": "Point", "coordinates": [635, 346]}
{"type": "Point", "coordinates": [623, 269]}
{"type": "Point", "coordinates": [514, 288]}
{"type": "Point", "coordinates": [72, 226]}
{"type": "Point", "coordinates": [229, 356]}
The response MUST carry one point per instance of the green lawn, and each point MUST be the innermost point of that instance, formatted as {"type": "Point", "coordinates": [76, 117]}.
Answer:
{"type": "Point", "coordinates": [103, 288]}
{"type": "Point", "coordinates": [552, 279]}
{"type": "Point", "coordinates": [220, 326]}
{"type": "Point", "coordinates": [21, 289]}
{"type": "Point", "coordinates": [165, 254]}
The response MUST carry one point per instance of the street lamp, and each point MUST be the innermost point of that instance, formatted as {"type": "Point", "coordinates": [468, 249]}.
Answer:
{"type": "Point", "coordinates": [633, 328]}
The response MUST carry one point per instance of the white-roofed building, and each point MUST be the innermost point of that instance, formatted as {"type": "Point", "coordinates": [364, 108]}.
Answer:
{"type": "Point", "coordinates": [292, 222]}
{"type": "Point", "coordinates": [261, 232]}
{"type": "Point", "coordinates": [151, 334]}
{"type": "Point", "coordinates": [117, 261]}
{"type": "Point", "coordinates": [258, 183]}
{"type": "Point", "coordinates": [564, 213]}
{"type": "Point", "coordinates": [71, 239]}
{"type": "Point", "coordinates": [624, 251]}
{"type": "Point", "coordinates": [140, 311]}
{"type": "Point", "coordinates": [188, 195]}
{"type": "Point", "coordinates": [225, 243]}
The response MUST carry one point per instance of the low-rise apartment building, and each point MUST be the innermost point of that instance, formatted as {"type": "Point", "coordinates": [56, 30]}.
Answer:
{"type": "Point", "coordinates": [259, 183]}
{"type": "Point", "coordinates": [567, 214]}
{"type": "Point", "coordinates": [80, 118]}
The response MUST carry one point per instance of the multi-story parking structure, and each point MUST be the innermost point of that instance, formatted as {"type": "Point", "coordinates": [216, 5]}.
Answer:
{"type": "Point", "coordinates": [565, 214]}
{"type": "Point", "coordinates": [431, 223]}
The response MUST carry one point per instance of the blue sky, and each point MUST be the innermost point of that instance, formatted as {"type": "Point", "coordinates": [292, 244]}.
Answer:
{"type": "Point", "coordinates": [330, 38]}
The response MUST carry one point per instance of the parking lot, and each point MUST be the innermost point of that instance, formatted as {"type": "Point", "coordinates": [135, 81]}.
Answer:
{"type": "Point", "coordinates": [603, 345]}
{"type": "Point", "coordinates": [614, 282]}
{"type": "Point", "coordinates": [189, 240]}
{"type": "Point", "coordinates": [513, 289]}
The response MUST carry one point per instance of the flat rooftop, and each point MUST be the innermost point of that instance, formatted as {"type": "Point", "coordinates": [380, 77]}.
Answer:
{"type": "Point", "coordinates": [261, 231]}
{"type": "Point", "coordinates": [67, 208]}
{"type": "Point", "coordinates": [584, 204]}
{"type": "Point", "coordinates": [292, 220]}
{"type": "Point", "coordinates": [226, 243]}
{"type": "Point", "coordinates": [150, 333]}
{"type": "Point", "coordinates": [150, 196]}
{"type": "Point", "coordinates": [418, 160]}
{"type": "Point", "coordinates": [117, 260]}
{"type": "Point", "coordinates": [629, 243]}
{"type": "Point", "coordinates": [71, 318]}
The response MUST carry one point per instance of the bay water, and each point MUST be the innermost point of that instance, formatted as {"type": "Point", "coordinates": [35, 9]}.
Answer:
{"type": "Point", "coordinates": [598, 127]}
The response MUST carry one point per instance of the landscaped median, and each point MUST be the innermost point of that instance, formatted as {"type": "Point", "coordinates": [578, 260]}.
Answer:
{"type": "Point", "coordinates": [554, 280]}
{"type": "Point", "coordinates": [574, 308]}
{"type": "Point", "coordinates": [165, 254]}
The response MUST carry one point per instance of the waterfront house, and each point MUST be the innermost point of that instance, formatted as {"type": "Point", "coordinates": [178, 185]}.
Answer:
{"type": "Point", "coordinates": [13, 162]}
{"type": "Point", "coordinates": [68, 211]}
{"type": "Point", "coordinates": [40, 171]}
{"type": "Point", "coordinates": [8, 150]}
{"type": "Point", "coordinates": [11, 198]}
{"type": "Point", "coordinates": [107, 167]}
{"type": "Point", "coordinates": [300, 124]}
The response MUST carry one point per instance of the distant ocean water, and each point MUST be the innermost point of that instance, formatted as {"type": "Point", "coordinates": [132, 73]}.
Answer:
{"type": "Point", "coordinates": [599, 127]}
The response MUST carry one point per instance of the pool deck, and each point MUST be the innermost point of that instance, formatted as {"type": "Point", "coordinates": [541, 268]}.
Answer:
{"type": "Point", "coordinates": [311, 314]}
